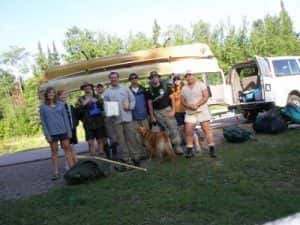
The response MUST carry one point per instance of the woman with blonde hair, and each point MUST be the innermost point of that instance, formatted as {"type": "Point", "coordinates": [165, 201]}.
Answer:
{"type": "Point", "coordinates": [56, 128]}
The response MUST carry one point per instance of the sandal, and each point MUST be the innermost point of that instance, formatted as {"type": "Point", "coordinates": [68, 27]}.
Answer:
{"type": "Point", "coordinates": [55, 177]}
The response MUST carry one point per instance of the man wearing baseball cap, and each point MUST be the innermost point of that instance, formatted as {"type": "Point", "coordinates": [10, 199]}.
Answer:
{"type": "Point", "coordinates": [90, 110]}
{"type": "Point", "coordinates": [194, 98]}
{"type": "Point", "coordinates": [162, 109]}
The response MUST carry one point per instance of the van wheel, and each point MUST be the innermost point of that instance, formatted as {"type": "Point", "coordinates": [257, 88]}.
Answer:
{"type": "Point", "coordinates": [294, 100]}
{"type": "Point", "coordinates": [250, 116]}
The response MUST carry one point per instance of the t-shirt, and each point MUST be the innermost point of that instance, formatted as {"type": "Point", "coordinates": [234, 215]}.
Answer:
{"type": "Point", "coordinates": [177, 97]}
{"type": "Point", "coordinates": [194, 95]}
{"type": "Point", "coordinates": [160, 96]}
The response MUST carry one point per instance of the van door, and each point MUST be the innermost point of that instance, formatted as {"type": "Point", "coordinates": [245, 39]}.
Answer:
{"type": "Point", "coordinates": [265, 78]}
{"type": "Point", "coordinates": [221, 93]}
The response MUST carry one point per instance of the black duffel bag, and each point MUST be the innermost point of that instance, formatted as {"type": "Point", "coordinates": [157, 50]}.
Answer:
{"type": "Point", "coordinates": [270, 122]}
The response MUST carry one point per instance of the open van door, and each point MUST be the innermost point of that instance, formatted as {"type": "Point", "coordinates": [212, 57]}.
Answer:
{"type": "Point", "coordinates": [265, 78]}
{"type": "Point", "coordinates": [221, 92]}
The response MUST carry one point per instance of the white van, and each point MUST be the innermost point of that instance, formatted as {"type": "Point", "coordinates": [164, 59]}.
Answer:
{"type": "Point", "coordinates": [262, 83]}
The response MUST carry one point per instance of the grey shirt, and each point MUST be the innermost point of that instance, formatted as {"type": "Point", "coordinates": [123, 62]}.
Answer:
{"type": "Point", "coordinates": [54, 119]}
{"type": "Point", "coordinates": [124, 96]}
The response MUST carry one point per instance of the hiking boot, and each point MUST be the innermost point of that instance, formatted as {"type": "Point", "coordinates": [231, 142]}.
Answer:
{"type": "Point", "coordinates": [178, 151]}
{"type": "Point", "coordinates": [212, 152]}
{"type": "Point", "coordinates": [198, 149]}
{"type": "Point", "coordinates": [189, 153]}
{"type": "Point", "coordinates": [107, 151]}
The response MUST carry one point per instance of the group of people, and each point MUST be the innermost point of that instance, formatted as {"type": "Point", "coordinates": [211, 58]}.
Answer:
{"type": "Point", "coordinates": [175, 109]}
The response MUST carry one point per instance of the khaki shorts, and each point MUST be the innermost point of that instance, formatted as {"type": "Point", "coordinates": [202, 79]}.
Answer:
{"type": "Point", "coordinates": [198, 117]}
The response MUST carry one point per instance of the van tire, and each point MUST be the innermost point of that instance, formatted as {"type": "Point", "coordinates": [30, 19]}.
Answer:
{"type": "Point", "coordinates": [294, 99]}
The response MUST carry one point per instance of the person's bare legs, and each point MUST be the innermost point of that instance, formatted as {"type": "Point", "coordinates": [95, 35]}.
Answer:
{"type": "Point", "coordinates": [189, 136]}
{"type": "Point", "coordinates": [68, 152]}
{"type": "Point", "coordinates": [73, 153]}
{"type": "Point", "coordinates": [54, 156]}
{"type": "Point", "coordinates": [100, 147]}
{"type": "Point", "coordinates": [196, 143]}
{"type": "Point", "coordinates": [74, 158]}
{"type": "Point", "coordinates": [208, 134]}
{"type": "Point", "coordinates": [91, 145]}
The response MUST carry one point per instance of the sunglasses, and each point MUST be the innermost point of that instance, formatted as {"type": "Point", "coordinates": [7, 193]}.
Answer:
{"type": "Point", "coordinates": [133, 78]}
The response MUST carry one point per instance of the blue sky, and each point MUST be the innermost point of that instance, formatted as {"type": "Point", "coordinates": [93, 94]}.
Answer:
{"type": "Point", "coordinates": [24, 23]}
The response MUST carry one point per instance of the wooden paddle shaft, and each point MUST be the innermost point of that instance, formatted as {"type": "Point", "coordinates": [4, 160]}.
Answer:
{"type": "Point", "coordinates": [112, 161]}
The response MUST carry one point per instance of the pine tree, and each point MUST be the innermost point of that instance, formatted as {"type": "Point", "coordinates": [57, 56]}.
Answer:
{"type": "Point", "coordinates": [155, 34]}
{"type": "Point", "coordinates": [49, 58]}
{"type": "Point", "coordinates": [55, 55]}
{"type": "Point", "coordinates": [41, 59]}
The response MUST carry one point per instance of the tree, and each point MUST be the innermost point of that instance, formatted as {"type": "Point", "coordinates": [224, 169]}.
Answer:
{"type": "Point", "coordinates": [16, 60]}
{"type": "Point", "coordinates": [155, 34]}
{"type": "Point", "coordinates": [274, 35]}
{"type": "Point", "coordinates": [49, 58]}
{"type": "Point", "coordinates": [201, 32]}
{"type": "Point", "coordinates": [137, 42]}
{"type": "Point", "coordinates": [177, 35]}
{"type": "Point", "coordinates": [80, 44]}
{"type": "Point", "coordinates": [41, 60]}
{"type": "Point", "coordinates": [55, 55]}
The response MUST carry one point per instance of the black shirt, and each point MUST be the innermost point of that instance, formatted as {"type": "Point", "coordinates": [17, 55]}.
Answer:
{"type": "Point", "coordinates": [160, 96]}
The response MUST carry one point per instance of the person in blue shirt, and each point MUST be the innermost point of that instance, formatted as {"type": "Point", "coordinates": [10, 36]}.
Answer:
{"type": "Point", "coordinates": [56, 127]}
{"type": "Point", "coordinates": [140, 111]}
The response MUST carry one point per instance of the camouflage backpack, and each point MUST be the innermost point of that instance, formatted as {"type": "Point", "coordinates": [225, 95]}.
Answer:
{"type": "Point", "coordinates": [236, 134]}
{"type": "Point", "coordinates": [86, 170]}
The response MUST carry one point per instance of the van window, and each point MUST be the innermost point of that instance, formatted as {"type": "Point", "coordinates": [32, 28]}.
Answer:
{"type": "Point", "coordinates": [286, 67]}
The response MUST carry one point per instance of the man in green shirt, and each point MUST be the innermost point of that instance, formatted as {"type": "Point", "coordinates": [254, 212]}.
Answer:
{"type": "Point", "coordinates": [161, 109]}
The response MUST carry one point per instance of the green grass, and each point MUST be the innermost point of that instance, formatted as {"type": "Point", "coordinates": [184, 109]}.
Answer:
{"type": "Point", "coordinates": [249, 183]}
{"type": "Point", "coordinates": [23, 143]}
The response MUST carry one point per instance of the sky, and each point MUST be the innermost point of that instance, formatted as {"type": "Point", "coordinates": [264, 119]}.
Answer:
{"type": "Point", "coordinates": [24, 23]}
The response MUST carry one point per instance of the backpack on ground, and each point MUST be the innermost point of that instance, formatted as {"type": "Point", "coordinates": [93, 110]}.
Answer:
{"type": "Point", "coordinates": [270, 122]}
{"type": "Point", "coordinates": [236, 134]}
{"type": "Point", "coordinates": [86, 170]}
{"type": "Point", "coordinates": [292, 112]}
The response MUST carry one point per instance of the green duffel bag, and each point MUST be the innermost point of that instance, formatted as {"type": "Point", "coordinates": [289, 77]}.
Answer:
{"type": "Point", "coordinates": [236, 134]}
{"type": "Point", "coordinates": [86, 170]}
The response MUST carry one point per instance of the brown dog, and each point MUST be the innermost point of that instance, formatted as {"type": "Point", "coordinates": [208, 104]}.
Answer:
{"type": "Point", "coordinates": [157, 144]}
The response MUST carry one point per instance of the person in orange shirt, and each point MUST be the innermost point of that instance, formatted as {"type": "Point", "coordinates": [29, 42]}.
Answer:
{"type": "Point", "coordinates": [180, 110]}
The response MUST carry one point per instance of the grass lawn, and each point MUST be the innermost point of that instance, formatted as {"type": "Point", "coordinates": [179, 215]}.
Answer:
{"type": "Point", "coordinates": [249, 183]}
{"type": "Point", "coordinates": [24, 143]}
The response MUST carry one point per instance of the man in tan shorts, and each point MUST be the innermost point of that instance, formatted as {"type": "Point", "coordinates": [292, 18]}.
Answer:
{"type": "Point", "coordinates": [194, 98]}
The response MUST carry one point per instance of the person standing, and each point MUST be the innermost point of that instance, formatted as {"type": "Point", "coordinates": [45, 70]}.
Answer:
{"type": "Point", "coordinates": [90, 111]}
{"type": "Point", "coordinates": [140, 111]}
{"type": "Point", "coordinates": [56, 127]}
{"type": "Point", "coordinates": [194, 99]}
{"type": "Point", "coordinates": [73, 121]}
{"type": "Point", "coordinates": [162, 109]}
{"type": "Point", "coordinates": [180, 111]}
{"type": "Point", "coordinates": [109, 148]}
{"type": "Point", "coordinates": [123, 127]}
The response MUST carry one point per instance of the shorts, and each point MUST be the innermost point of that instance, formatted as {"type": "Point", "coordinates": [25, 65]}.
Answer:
{"type": "Point", "coordinates": [198, 117]}
{"type": "Point", "coordinates": [179, 116]}
{"type": "Point", "coordinates": [97, 133]}
{"type": "Point", "coordinates": [74, 139]}
{"type": "Point", "coordinates": [59, 137]}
